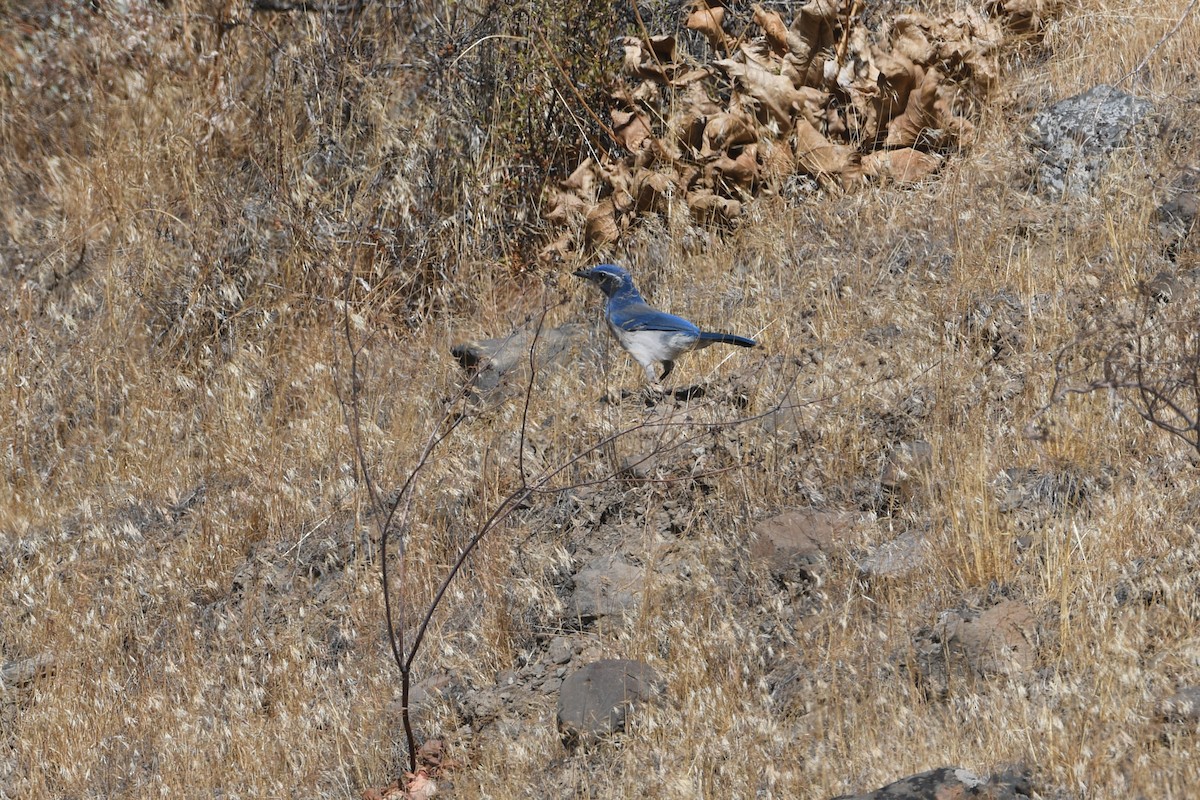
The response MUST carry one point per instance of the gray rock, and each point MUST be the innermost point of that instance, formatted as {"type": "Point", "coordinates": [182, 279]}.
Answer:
{"type": "Point", "coordinates": [504, 361]}
{"type": "Point", "coordinates": [17, 676]}
{"type": "Point", "coordinates": [1074, 138]}
{"type": "Point", "coordinates": [596, 700]}
{"type": "Point", "coordinates": [18, 679]}
{"type": "Point", "coordinates": [1183, 706]}
{"type": "Point", "coordinates": [1000, 641]}
{"type": "Point", "coordinates": [1177, 215]}
{"type": "Point", "coordinates": [607, 586]}
{"type": "Point", "coordinates": [1162, 287]}
{"type": "Point", "coordinates": [560, 650]}
{"type": "Point", "coordinates": [947, 782]}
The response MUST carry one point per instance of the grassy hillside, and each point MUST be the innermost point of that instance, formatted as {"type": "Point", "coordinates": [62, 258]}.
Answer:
{"type": "Point", "coordinates": [206, 208]}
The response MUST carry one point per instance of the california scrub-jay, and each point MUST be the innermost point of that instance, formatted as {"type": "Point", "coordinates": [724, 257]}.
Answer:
{"type": "Point", "coordinates": [650, 336]}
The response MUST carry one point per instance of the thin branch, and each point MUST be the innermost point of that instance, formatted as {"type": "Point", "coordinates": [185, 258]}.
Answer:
{"type": "Point", "coordinates": [1187, 12]}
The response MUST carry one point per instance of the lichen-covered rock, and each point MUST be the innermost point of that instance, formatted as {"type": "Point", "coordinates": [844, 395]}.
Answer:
{"type": "Point", "coordinates": [1074, 138]}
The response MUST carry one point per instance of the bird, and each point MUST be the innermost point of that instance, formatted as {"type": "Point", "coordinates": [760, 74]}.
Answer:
{"type": "Point", "coordinates": [650, 336]}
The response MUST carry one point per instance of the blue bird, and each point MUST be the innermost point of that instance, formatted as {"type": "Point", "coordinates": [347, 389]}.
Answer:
{"type": "Point", "coordinates": [650, 336]}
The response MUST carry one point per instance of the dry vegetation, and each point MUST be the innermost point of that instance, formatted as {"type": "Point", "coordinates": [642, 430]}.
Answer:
{"type": "Point", "coordinates": [186, 543]}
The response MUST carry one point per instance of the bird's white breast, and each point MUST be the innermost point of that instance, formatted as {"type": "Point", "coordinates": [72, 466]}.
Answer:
{"type": "Point", "coordinates": [647, 346]}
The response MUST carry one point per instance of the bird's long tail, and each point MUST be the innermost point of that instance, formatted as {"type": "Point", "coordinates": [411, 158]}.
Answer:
{"type": "Point", "coordinates": [708, 337]}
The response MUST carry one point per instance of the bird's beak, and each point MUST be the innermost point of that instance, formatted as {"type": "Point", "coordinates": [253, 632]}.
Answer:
{"type": "Point", "coordinates": [582, 273]}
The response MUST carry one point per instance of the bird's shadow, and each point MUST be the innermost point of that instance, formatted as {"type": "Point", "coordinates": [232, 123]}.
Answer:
{"type": "Point", "coordinates": [651, 396]}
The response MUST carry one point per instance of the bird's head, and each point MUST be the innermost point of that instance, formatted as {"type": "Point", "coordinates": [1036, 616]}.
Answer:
{"type": "Point", "coordinates": [609, 277]}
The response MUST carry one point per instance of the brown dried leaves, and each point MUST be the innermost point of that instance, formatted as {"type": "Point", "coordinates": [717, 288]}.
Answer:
{"type": "Point", "coordinates": [841, 104]}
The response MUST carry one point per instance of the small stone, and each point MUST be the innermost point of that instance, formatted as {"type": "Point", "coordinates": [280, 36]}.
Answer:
{"type": "Point", "coordinates": [607, 586]}
{"type": "Point", "coordinates": [1161, 288]}
{"type": "Point", "coordinates": [492, 363]}
{"type": "Point", "coordinates": [596, 700]}
{"type": "Point", "coordinates": [424, 691]}
{"type": "Point", "coordinates": [560, 650]}
{"type": "Point", "coordinates": [999, 641]}
{"type": "Point", "coordinates": [1183, 706]}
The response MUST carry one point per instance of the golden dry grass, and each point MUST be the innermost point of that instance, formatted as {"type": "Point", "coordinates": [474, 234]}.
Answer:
{"type": "Point", "coordinates": [182, 527]}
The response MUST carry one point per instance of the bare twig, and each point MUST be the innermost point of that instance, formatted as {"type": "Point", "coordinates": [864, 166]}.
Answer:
{"type": "Point", "coordinates": [571, 84]}
{"type": "Point", "coordinates": [1187, 12]}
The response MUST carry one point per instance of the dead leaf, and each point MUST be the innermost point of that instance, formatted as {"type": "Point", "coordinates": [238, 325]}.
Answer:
{"type": "Point", "coordinates": [431, 752]}
{"type": "Point", "coordinates": [822, 94]}
{"type": "Point", "coordinates": [905, 165]}
{"type": "Point", "coordinates": [927, 118]}
{"type": "Point", "coordinates": [740, 169]}
{"type": "Point", "coordinates": [723, 131]}
{"type": "Point", "coordinates": [910, 41]}
{"type": "Point", "coordinates": [652, 58]}
{"type": "Point", "coordinates": [1025, 16]}
{"type": "Point", "coordinates": [710, 22]}
{"type": "Point", "coordinates": [632, 129]}
{"type": "Point", "coordinates": [773, 92]}
{"type": "Point", "coordinates": [420, 786]}
{"type": "Point", "coordinates": [600, 227]}
{"type": "Point", "coordinates": [813, 29]}
{"type": "Point", "coordinates": [706, 204]}
{"type": "Point", "coordinates": [562, 207]}
{"type": "Point", "coordinates": [778, 161]}
{"type": "Point", "coordinates": [584, 179]}
{"type": "Point", "coordinates": [653, 191]}
{"type": "Point", "coordinates": [817, 155]}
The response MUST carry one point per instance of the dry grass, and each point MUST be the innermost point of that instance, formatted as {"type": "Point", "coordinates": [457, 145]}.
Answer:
{"type": "Point", "coordinates": [181, 524]}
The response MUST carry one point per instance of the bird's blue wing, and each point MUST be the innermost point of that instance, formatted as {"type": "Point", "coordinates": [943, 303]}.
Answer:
{"type": "Point", "coordinates": [640, 317]}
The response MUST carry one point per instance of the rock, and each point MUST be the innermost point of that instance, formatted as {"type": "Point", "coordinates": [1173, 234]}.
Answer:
{"type": "Point", "coordinates": [905, 465]}
{"type": "Point", "coordinates": [1023, 489]}
{"type": "Point", "coordinates": [1179, 213]}
{"type": "Point", "coordinates": [17, 682]}
{"type": "Point", "coordinates": [1074, 138]}
{"type": "Point", "coordinates": [596, 700]}
{"type": "Point", "coordinates": [952, 782]}
{"type": "Point", "coordinates": [799, 537]}
{"type": "Point", "coordinates": [1177, 216]}
{"type": "Point", "coordinates": [1183, 706]}
{"type": "Point", "coordinates": [967, 644]}
{"type": "Point", "coordinates": [492, 363]}
{"type": "Point", "coordinates": [19, 676]}
{"type": "Point", "coordinates": [606, 586]}
{"type": "Point", "coordinates": [426, 691]}
{"type": "Point", "coordinates": [560, 650]}
{"type": "Point", "coordinates": [901, 555]}
{"type": "Point", "coordinates": [1000, 641]}
{"type": "Point", "coordinates": [1162, 287]}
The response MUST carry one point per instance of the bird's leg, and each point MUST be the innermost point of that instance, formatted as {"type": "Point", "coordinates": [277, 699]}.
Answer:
{"type": "Point", "coordinates": [667, 367]}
